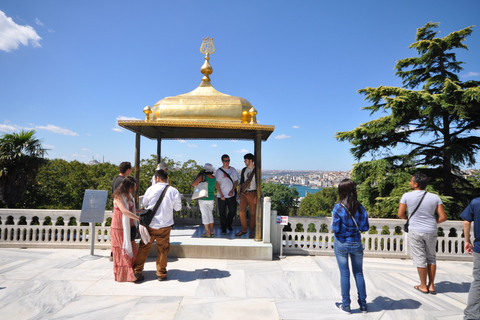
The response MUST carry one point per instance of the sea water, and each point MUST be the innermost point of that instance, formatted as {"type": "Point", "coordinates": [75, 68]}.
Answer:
{"type": "Point", "coordinates": [303, 190]}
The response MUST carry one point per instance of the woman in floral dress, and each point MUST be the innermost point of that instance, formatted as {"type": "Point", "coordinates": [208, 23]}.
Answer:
{"type": "Point", "coordinates": [124, 250]}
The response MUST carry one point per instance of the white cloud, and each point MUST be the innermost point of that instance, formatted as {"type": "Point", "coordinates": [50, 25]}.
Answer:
{"type": "Point", "coordinates": [282, 136]}
{"type": "Point", "coordinates": [84, 149]}
{"type": "Point", "coordinates": [214, 146]}
{"type": "Point", "coordinates": [242, 151]}
{"type": "Point", "coordinates": [78, 155]}
{"type": "Point", "coordinates": [117, 129]}
{"type": "Point", "coordinates": [181, 141]}
{"type": "Point", "coordinates": [48, 146]}
{"type": "Point", "coordinates": [8, 128]}
{"type": "Point", "coordinates": [55, 129]}
{"type": "Point", "coordinates": [38, 22]}
{"type": "Point", "coordinates": [192, 146]}
{"type": "Point", "coordinates": [12, 35]}
{"type": "Point", "coordinates": [295, 127]}
{"type": "Point", "coordinates": [127, 118]}
{"type": "Point", "coordinates": [471, 74]}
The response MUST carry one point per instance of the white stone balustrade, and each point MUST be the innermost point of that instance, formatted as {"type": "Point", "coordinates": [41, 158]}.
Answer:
{"type": "Point", "coordinates": [316, 237]}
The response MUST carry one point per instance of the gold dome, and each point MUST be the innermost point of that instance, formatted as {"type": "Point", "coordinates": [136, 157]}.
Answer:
{"type": "Point", "coordinates": [204, 103]}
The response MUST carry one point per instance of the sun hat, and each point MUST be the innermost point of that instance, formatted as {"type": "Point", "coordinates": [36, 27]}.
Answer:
{"type": "Point", "coordinates": [208, 167]}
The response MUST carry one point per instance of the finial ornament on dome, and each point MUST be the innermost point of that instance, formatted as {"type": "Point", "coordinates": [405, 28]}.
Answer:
{"type": "Point", "coordinates": [207, 48]}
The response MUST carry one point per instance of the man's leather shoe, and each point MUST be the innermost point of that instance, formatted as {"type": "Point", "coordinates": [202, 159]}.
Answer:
{"type": "Point", "coordinates": [139, 277]}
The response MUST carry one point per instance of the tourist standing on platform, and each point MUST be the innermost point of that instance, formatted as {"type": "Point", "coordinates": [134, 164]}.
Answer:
{"type": "Point", "coordinates": [161, 166]}
{"type": "Point", "coordinates": [469, 215]}
{"type": "Point", "coordinates": [422, 230]}
{"type": "Point", "coordinates": [159, 228]}
{"type": "Point", "coordinates": [248, 195]}
{"type": "Point", "coordinates": [227, 181]}
{"type": "Point", "coordinates": [349, 218]}
{"type": "Point", "coordinates": [124, 248]}
{"type": "Point", "coordinates": [206, 204]}
{"type": "Point", "coordinates": [125, 169]}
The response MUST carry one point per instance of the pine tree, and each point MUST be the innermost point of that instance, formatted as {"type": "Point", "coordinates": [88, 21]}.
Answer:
{"type": "Point", "coordinates": [434, 115]}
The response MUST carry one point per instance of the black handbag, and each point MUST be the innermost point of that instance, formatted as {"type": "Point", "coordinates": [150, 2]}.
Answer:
{"type": "Point", "coordinates": [405, 226]}
{"type": "Point", "coordinates": [146, 215]}
{"type": "Point", "coordinates": [133, 233]}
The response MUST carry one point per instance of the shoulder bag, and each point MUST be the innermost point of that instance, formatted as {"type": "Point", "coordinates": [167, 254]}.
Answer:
{"type": "Point", "coordinates": [405, 227]}
{"type": "Point", "coordinates": [246, 184]}
{"type": "Point", "coordinates": [146, 215]}
{"type": "Point", "coordinates": [201, 190]}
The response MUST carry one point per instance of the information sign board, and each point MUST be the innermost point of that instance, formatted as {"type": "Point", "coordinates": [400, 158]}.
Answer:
{"type": "Point", "coordinates": [93, 207]}
{"type": "Point", "coordinates": [283, 220]}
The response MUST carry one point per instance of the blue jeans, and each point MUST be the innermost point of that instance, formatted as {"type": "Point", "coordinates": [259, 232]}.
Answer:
{"type": "Point", "coordinates": [355, 251]}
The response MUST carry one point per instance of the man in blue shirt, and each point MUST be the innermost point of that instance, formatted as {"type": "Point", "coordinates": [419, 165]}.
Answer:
{"type": "Point", "coordinates": [472, 213]}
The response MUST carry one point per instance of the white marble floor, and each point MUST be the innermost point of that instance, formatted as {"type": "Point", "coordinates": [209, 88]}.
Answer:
{"type": "Point", "coordinates": [61, 284]}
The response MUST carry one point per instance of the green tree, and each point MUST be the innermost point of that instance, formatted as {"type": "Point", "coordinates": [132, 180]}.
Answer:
{"type": "Point", "coordinates": [21, 155]}
{"type": "Point", "coordinates": [319, 203]}
{"type": "Point", "coordinates": [435, 124]}
{"type": "Point", "coordinates": [284, 199]}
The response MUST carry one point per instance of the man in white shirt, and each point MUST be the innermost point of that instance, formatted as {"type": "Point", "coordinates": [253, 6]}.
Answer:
{"type": "Point", "coordinates": [227, 180]}
{"type": "Point", "coordinates": [159, 228]}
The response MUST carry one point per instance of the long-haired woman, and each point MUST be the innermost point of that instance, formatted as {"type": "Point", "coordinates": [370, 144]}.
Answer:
{"type": "Point", "coordinates": [123, 248]}
{"type": "Point", "coordinates": [349, 218]}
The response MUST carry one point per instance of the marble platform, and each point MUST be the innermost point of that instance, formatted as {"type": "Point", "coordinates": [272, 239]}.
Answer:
{"type": "Point", "coordinates": [186, 242]}
{"type": "Point", "coordinates": [67, 284]}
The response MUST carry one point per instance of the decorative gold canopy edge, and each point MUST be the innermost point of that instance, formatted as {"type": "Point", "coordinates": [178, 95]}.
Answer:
{"type": "Point", "coordinates": [173, 129]}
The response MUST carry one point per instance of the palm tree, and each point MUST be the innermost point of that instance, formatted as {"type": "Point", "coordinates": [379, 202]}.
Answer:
{"type": "Point", "coordinates": [21, 155]}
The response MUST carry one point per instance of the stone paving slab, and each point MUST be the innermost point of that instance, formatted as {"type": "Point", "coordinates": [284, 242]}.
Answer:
{"type": "Point", "coordinates": [62, 284]}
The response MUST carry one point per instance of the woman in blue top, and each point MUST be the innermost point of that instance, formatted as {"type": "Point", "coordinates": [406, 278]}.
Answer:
{"type": "Point", "coordinates": [206, 204]}
{"type": "Point", "coordinates": [349, 219]}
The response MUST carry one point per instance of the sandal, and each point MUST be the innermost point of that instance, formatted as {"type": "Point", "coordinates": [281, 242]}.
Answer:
{"type": "Point", "coordinates": [240, 233]}
{"type": "Point", "coordinates": [204, 236]}
{"type": "Point", "coordinates": [251, 235]}
{"type": "Point", "coordinates": [212, 235]}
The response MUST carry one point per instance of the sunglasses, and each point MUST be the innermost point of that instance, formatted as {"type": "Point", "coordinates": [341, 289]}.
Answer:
{"type": "Point", "coordinates": [226, 160]}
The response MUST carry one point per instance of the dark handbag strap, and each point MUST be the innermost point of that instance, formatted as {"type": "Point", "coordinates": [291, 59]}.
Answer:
{"type": "Point", "coordinates": [227, 175]}
{"type": "Point", "coordinates": [410, 215]}
{"type": "Point", "coordinates": [341, 203]}
{"type": "Point", "coordinates": [160, 199]}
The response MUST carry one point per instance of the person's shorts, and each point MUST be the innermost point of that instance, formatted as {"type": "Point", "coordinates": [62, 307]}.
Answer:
{"type": "Point", "coordinates": [423, 247]}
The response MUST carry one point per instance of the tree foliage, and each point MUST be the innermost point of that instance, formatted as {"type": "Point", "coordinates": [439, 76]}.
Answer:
{"type": "Point", "coordinates": [284, 199]}
{"type": "Point", "coordinates": [21, 155]}
{"type": "Point", "coordinates": [319, 203]}
{"type": "Point", "coordinates": [433, 117]}
{"type": "Point", "coordinates": [61, 184]}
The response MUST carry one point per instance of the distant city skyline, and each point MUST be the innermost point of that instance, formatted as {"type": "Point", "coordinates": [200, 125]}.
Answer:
{"type": "Point", "coordinates": [71, 70]}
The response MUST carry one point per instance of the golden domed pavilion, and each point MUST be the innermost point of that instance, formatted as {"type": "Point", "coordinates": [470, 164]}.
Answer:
{"type": "Point", "coordinates": [203, 113]}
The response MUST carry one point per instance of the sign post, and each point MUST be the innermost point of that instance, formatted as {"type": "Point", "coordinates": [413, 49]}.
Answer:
{"type": "Point", "coordinates": [93, 211]}
{"type": "Point", "coordinates": [282, 221]}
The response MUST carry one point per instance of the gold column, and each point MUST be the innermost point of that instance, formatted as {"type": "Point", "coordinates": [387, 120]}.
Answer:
{"type": "Point", "coordinates": [159, 150]}
{"type": "Point", "coordinates": [258, 178]}
{"type": "Point", "coordinates": [137, 168]}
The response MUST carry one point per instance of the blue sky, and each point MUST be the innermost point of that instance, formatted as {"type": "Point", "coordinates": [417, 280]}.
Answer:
{"type": "Point", "coordinates": [71, 69]}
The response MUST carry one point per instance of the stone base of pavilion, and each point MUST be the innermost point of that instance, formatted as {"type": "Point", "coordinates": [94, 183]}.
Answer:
{"type": "Point", "coordinates": [186, 242]}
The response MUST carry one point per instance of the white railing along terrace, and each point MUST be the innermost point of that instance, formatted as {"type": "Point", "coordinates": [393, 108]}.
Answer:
{"type": "Point", "coordinates": [42, 228]}
{"type": "Point", "coordinates": [313, 236]}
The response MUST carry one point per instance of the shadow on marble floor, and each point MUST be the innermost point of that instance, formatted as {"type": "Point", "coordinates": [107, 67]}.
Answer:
{"type": "Point", "coordinates": [187, 275]}
{"type": "Point", "coordinates": [382, 303]}
{"type": "Point", "coordinates": [447, 286]}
